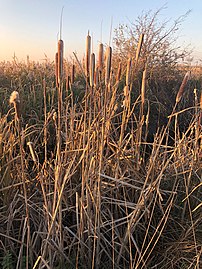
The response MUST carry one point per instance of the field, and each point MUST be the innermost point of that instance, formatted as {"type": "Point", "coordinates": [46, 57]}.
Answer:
{"type": "Point", "coordinates": [101, 163]}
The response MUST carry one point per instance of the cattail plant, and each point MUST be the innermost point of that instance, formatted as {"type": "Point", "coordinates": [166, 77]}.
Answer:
{"type": "Point", "coordinates": [108, 65]}
{"type": "Point", "coordinates": [182, 87]}
{"type": "Point", "coordinates": [73, 73]}
{"type": "Point", "coordinates": [139, 46]}
{"type": "Point", "coordinates": [15, 100]}
{"type": "Point", "coordinates": [60, 60]}
{"type": "Point", "coordinates": [96, 77]}
{"type": "Point", "coordinates": [88, 53]}
{"type": "Point", "coordinates": [92, 69]}
{"type": "Point", "coordinates": [56, 69]}
{"type": "Point", "coordinates": [118, 76]}
{"type": "Point", "coordinates": [143, 86]}
{"type": "Point", "coordinates": [100, 56]}
{"type": "Point", "coordinates": [128, 72]}
{"type": "Point", "coordinates": [32, 151]}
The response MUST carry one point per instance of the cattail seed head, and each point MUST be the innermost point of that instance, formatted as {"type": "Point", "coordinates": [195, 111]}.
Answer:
{"type": "Point", "coordinates": [88, 53]}
{"type": "Point", "coordinates": [143, 86]}
{"type": "Point", "coordinates": [60, 59]}
{"type": "Point", "coordinates": [32, 151]}
{"type": "Point", "coordinates": [92, 69]}
{"type": "Point", "coordinates": [118, 77]}
{"type": "Point", "coordinates": [73, 73]}
{"type": "Point", "coordinates": [15, 100]}
{"type": "Point", "coordinates": [108, 65]}
{"type": "Point", "coordinates": [96, 77]}
{"type": "Point", "coordinates": [100, 56]}
{"type": "Point", "coordinates": [139, 46]}
{"type": "Point", "coordinates": [128, 71]}
{"type": "Point", "coordinates": [56, 69]}
{"type": "Point", "coordinates": [181, 89]}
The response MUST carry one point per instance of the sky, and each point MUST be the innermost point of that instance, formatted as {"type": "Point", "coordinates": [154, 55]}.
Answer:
{"type": "Point", "coordinates": [31, 27]}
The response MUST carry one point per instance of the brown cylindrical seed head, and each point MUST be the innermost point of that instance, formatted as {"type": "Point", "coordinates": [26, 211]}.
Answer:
{"type": "Point", "coordinates": [181, 89]}
{"type": "Point", "coordinates": [92, 69]}
{"type": "Point", "coordinates": [60, 59]}
{"type": "Point", "coordinates": [128, 72]}
{"type": "Point", "coordinates": [96, 77]}
{"type": "Point", "coordinates": [31, 148]}
{"type": "Point", "coordinates": [73, 73]}
{"type": "Point", "coordinates": [56, 69]}
{"type": "Point", "coordinates": [139, 46]}
{"type": "Point", "coordinates": [118, 77]}
{"type": "Point", "coordinates": [143, 86]}
{"type": "Point", "coordinates": [108, 65]}
{"type": "Point", "coordinates": [88, 52]}
{"type": "Point", "coordinates": [100, 56]}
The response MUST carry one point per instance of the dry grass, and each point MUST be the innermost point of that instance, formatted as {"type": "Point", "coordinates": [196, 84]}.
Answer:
{"type": "Point", "coordinates": [82, 187]}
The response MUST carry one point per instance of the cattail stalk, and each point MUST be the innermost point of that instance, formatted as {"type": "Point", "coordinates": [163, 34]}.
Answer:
{"type": "Point", "coordinates": [182, 87]}
{"type": "Point", "coordinates": [15, 100]}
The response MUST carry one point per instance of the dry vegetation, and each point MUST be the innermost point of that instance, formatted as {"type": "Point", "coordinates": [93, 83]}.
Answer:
{"type": "Point", "coordinates": [88, 179]}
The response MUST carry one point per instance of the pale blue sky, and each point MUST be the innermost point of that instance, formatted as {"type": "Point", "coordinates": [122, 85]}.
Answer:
{"type": "Point", "coordinates": [30, 27]}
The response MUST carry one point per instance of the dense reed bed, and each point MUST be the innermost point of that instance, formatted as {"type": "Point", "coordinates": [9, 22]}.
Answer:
{"type": "Point", "coordinates": [84, 183]}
